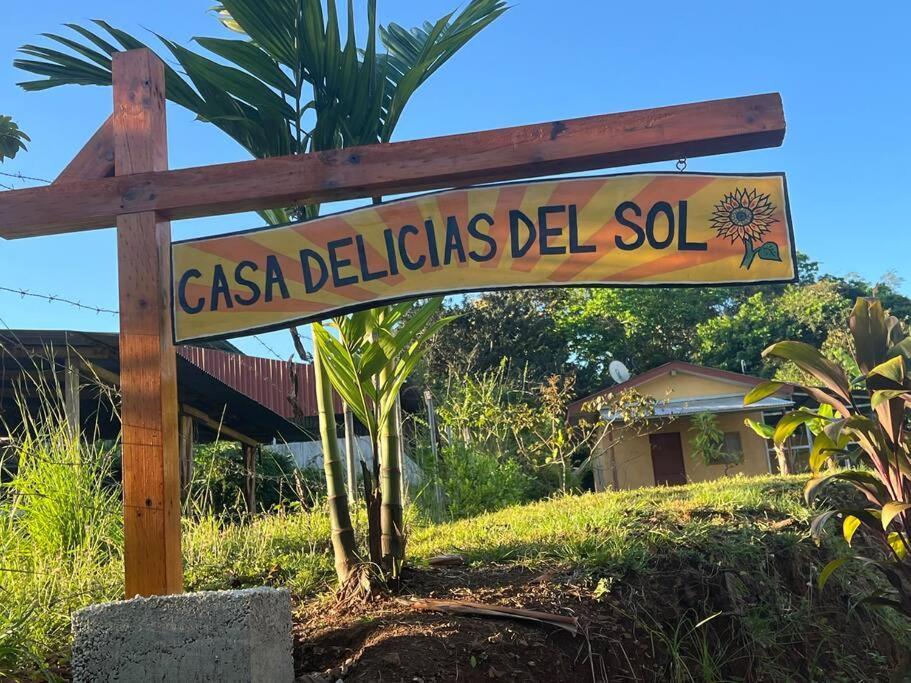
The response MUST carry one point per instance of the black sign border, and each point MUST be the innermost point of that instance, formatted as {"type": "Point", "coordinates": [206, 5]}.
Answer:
{"type": "Point", "coordinates": [354, 308]}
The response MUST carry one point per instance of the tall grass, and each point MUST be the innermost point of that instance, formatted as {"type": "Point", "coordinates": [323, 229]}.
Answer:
{"type": "Point", "coordinates": [61, 540]}
{"type": "Point", "coordinates": [61, 533]}
{"type": "Point", "coordinates": [61, 527]}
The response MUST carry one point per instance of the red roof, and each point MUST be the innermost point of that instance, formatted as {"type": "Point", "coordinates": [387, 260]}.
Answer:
{"type": "Point", "coordinates": [266, 381]}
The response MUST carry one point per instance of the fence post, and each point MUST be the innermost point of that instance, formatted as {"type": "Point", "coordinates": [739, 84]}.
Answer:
{"type": "Point", "coordinates": [349, 454]}
{"type": "Point", "coordinates": [71, 395]}
{"type": "Point", "coordinates": [186, 454]}
{"type": "Point", "coordinates": [148, 364]}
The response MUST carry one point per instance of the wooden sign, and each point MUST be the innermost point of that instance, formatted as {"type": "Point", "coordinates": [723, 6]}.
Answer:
{"type": "Point", "coordinates": [647, 229]}
{"type": "Point", "coordinates": [121, 178]}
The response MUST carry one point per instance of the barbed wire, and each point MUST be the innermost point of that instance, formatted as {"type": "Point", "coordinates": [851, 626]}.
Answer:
{"type": "Point", "coordinates": [53, 298]}
{"type": "Point", "coordinates": [267, 347]}
{"type": "Point", "coordinates": [20, 176]}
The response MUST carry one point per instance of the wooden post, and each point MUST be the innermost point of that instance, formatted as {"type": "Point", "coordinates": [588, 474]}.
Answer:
{"type": "Point", "coordinates": [71, 395]}
{"type": "Point", "coordinates": [148, 366]}
{"type": "Point", "coordinates": [186, 454]}
{"type": "Point", "coordinates": [250, 477]}
{"type": "Point", "coordinates": [349, 454]}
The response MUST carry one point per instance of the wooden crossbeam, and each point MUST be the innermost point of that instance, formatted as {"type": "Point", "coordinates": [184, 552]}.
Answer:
{"type": "Point", "coordinates": [219, 428]}
{"type": "Point", "coordinates": [611, 140]}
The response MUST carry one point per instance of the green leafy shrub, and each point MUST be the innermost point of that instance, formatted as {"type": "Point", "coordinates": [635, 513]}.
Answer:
{"type": "Point", "coordinates": [474, 481]}
{"type": "Point", "coordinates": [218, 480]}
{"type": "Point", "coordinates": [864, 417]}
{"type": "Point", "coordinates": [708, 442]}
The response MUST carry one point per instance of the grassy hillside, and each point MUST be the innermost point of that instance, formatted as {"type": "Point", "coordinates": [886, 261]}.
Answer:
{"type": "Point", "coordinates": [626, 530]}
{"type": "Point", "coordinates": [709, 581]}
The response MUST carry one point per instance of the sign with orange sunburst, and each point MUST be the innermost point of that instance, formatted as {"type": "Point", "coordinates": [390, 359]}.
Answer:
{"type": "Point", "coordinates": [641, 229]}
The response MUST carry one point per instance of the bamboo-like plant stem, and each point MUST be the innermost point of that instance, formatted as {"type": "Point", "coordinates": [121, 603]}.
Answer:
{"type": "Point", "coordinates": [344, 547]}
{"type": "Point", "coordinates": [391, 515]}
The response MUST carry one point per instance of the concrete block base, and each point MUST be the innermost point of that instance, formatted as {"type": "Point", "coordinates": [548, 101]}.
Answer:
{"type": "Point", "coordinates": [231, 636]}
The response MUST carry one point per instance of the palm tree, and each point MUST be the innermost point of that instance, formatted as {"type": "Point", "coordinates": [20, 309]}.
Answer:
{"type": "Point", "coordinates": [286, 84]}
{"type": "Point", "coordinates": [368, 361]}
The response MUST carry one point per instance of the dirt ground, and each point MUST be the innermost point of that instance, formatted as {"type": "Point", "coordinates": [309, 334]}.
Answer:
{"type": "Point", "coordinates": [388, 640]}
{"type": "Point", "coordinates": [686, 619]}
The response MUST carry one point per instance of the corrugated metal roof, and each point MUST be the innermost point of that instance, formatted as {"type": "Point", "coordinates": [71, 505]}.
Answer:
{"type": "Point", "coordinates": [260, 407]}
{"type": "Point", "coordinates": [269, 382]}
{"type": "Point", "coordinates": [712, 404]}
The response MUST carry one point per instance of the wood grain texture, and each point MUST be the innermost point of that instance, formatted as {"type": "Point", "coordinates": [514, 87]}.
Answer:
{"type": "Point", "coordinates": [95, 159]}
{"type": "Point", "coordinates": [148, 365]}
{"type": "Point", "coordinates": [595, 142]}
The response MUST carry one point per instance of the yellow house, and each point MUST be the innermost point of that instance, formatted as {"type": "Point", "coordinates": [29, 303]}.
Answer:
{"type": "Point", "coordinates": [661, 453]}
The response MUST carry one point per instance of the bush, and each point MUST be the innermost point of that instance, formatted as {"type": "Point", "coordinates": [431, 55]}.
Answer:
{"type": "Point", "coordinates": [474, 482]}
{"type": "Point", "coordinates": [218, 480]}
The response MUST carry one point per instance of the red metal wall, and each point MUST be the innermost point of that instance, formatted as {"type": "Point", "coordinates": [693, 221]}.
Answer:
{"type": "Point", "coordinates": [262, 379]}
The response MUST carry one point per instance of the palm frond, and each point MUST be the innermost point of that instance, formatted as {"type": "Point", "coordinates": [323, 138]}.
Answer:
{"type": "Point", "coordinates": [12, 138]}
{"type": "Point", "coordinates": [413, 56]}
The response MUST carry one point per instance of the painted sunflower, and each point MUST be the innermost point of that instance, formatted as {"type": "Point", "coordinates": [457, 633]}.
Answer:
{"type": "Point", "coordinates": [746, 215]}
{"type": "Point", "coordinates": [743, 215]}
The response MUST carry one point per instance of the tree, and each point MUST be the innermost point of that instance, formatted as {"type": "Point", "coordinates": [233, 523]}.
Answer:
{"type": "Point", "coordinates": [287, 66]}
{"type": "Point", "coordinates": [815, 313]}
{"type": "Point", "coordinates": [518, 420]}
{"type": "Point", "coordinates": [708, 442]}
{"type": "Point", "coordinates": [768, 432]}
{"type": "Point", "coordinates": [368, 362]}
{"type": "Point", "coordinates": [581, 330]}
{"type": "Point", "coordinates": [12, 139]}
{"type": "Point", "coordinates": [641, 327]}
{"type": "Point", "coordinates": [556, 439]}
{"type": "Point", "coordinates": [516, 325]}
{"type": "Point", "coordinates": [734, 341]}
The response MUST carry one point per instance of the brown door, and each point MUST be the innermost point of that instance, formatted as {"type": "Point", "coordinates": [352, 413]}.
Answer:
{"type": "Point", "coordinates": [667, 459]}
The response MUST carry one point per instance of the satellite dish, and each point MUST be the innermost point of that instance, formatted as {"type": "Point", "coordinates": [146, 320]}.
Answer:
{"type": "Point", "coordinates": [618, 371]}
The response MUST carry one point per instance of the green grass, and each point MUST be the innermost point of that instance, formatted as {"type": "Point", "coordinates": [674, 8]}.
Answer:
{"type": "Point", "coordinates": [623, 530]}
{"type": "Point", "coordinates": [620, 543]}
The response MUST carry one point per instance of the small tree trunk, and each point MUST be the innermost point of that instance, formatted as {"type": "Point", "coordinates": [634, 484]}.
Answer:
{"type": "Point", "coordinates": [783, 465]}
{"type": "Point", "coordinates": [391, 516]}
{"type": "Point", "coordinates": [372, 499]}
{"type": "Point", "coordinates": [344, 548]}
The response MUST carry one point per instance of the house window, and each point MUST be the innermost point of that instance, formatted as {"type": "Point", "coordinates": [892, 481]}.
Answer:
{"type": "Point", "coordinates": [797, 446]}
{"type": "Point", "coordinates": [732, 444]}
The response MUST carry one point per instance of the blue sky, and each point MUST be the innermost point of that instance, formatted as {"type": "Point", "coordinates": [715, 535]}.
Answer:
{"type": "Point", "coordinates": [842, 69]}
